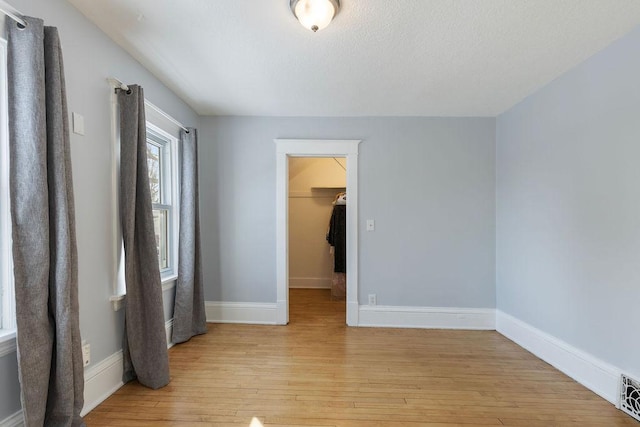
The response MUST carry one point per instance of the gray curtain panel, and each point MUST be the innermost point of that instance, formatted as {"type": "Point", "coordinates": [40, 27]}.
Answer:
{"type": "Point", "coordinates": [189, 316]}
{"type": "Point", "coordinates": [145, 340]}
{"type": "Point", "coordinates": [44, 238]}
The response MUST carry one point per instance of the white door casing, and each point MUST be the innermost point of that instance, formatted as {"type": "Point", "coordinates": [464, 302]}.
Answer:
{"type": "Point", "coordinates": [286, 148]}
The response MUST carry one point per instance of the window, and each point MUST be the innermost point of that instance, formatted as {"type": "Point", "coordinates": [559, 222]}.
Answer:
{"type": "Point", "coordinates": [7, 298]}
{"type": "Point", "coordinates": [160, 156]}
{"type": "Point", "coordinates": [163, 133]}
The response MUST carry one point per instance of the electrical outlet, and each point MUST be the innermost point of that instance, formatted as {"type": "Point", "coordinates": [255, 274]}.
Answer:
{"type": "Point", "coordinates": [86, 354]}
{"type": "Point", "coordinates": [372, 299]}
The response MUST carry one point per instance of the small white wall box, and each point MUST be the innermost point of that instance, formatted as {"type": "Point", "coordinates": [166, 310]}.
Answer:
{"type": "Point", "coordinates": [78, 123]}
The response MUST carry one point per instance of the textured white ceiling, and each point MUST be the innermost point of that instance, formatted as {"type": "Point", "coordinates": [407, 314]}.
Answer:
{"type": "Point", "coordinates": [378, 57]}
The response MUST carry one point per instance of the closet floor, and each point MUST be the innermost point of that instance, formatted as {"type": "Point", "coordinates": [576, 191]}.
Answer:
{"type": "Point", "coordinates": [318, 372]}
{"type": "Point", "coordinates": [316, 308]}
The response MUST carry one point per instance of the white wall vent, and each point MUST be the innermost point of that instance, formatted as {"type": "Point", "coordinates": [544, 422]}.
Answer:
{"type": "Point", "coordinates": [630, 397]}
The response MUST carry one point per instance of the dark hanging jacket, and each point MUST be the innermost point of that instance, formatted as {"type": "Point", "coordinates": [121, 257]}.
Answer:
{"type": "Point", "coordinates": [337, 237]}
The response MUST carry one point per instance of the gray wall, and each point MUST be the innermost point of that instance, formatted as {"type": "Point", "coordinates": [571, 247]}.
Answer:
{"type": "Point", "coordinates": [428, 182]}
{"type": "Point", "coordinates": [9, 386]}
{"type": "Point", "coordinates": [89, 58]}
{"type": "Point", "coordinates": [568, 207]}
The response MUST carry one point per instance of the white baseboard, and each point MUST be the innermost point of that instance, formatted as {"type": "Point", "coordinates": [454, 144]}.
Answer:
{"type": "Point", "coordinates": [593, 373]}
{"type": "Point", "coordinates": [15, 420]}
{"type": "Point", "coordinates": [309, 283]}
{"type": "Point", "coordinates": [241, 312]}
{"type": "Point", "coordinates": [101, 381]}
{"type": "Point", "coordinates": [353, 309]}
{"type": "Point", "coordinates": [168, 327]}
{"type": "Point", "coordinates": [426, 317]}
{"type": "Point", "coordinates": [282, 312]}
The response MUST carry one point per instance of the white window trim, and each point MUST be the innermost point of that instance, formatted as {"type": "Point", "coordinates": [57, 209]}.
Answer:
{"type": "Point", "coordinates": [119, 290]}
{"type": "Point", "coordinates": [172, 273]}
{"type": "Point", "coordinates": [167, 125]}
{"type": "Point", "coordinates": [7, 292]}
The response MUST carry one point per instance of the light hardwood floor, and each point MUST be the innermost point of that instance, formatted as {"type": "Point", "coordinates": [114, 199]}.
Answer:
{"type": "Point", "coordinates": [316, 371]}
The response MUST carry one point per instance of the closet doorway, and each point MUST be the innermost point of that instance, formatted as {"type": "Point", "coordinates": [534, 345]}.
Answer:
{"type": "Point", "coordinates": [317, 238]}
{"type": "Point", "coordinates": [348, 151]}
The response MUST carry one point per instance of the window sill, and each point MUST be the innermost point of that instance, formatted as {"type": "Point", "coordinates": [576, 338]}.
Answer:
{"type": "Point", "coordinates": [7, 341]}
{"type": "Point", "coordinates": [117, 301]}
{"type": "Point", "coordinates": [169, 282]}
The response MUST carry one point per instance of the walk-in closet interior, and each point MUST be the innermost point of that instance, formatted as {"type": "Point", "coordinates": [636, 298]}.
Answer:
{"type": "Point", "coordinates": [317, 228]}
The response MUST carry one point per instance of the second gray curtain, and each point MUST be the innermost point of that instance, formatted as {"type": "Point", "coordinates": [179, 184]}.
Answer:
{"type": "Point", "coordinates": [145, 341]}
{"type": "Point", "coordinates": [45, 261]}
{"type": "Point", "coordinates": [189, 316]}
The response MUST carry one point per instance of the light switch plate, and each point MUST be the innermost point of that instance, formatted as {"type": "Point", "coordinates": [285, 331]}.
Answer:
{"type": "Point", "coordinates": [78, 123]}
{"type": "Point", "coordinates": [371, 225]}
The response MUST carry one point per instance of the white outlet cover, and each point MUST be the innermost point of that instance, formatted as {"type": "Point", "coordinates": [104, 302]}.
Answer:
{"type": "Point", "coordinates": [86, 354]}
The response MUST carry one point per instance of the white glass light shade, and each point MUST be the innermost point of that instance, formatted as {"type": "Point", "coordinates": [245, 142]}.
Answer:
{"type": "Point", "coordinates": [315, 14]}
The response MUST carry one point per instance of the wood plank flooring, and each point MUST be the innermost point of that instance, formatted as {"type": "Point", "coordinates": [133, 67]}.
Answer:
{"type": "Point", "coordinates": [318, 372]}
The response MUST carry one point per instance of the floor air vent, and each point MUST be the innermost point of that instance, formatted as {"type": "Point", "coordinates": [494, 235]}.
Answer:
{"type": "Point", "coordinates": [630, 397]}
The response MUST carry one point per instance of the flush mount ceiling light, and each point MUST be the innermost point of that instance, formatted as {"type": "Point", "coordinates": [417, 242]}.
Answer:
{"type": "Point", "coordinates": [315, 14]}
